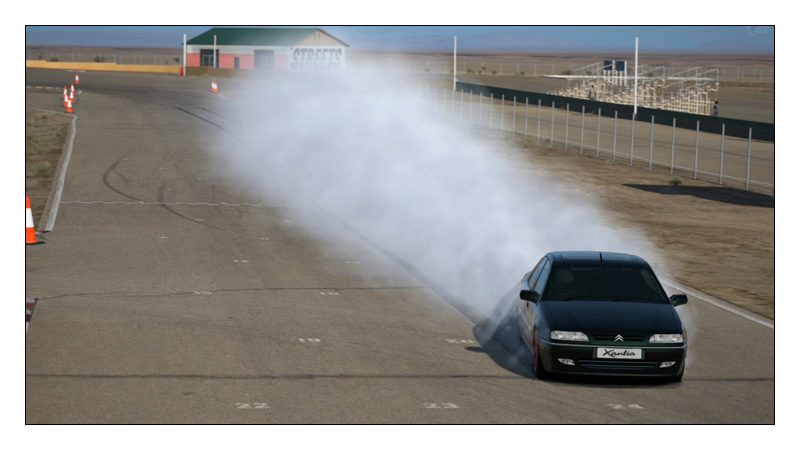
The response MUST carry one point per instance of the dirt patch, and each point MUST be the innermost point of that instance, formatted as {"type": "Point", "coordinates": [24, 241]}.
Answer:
{"type": "Point", "coordinates": [718, 240]}
{"type": "Point", "coordinates": [45, 134]}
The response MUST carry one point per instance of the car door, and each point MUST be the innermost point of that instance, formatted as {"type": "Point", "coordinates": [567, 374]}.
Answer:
{"type": "Point", "coordinates": [526, 310]}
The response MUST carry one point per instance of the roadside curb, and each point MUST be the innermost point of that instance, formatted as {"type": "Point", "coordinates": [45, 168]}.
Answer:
{"type": "Point", "coordinates": [48, 221]}
{"type": "Point", "coordinates": [721, 303]}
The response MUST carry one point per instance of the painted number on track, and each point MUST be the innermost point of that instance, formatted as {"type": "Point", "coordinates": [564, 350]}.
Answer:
{"type": "Point", "coordinates": [628, 406]}
{"type": "Point", "coordinates": [440, 405]}
{"type": "Point", "coordinates": [251, 405]}
{"type": "Point", "coordinates": [460, 341]}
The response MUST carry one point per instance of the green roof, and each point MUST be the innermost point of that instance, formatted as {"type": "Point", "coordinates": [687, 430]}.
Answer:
{"type": "Point", "coordinates": [254, 36]}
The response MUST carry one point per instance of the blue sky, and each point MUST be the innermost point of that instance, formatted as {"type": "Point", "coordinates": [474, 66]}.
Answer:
{"type": "Point", "coordinates": [727, 39]}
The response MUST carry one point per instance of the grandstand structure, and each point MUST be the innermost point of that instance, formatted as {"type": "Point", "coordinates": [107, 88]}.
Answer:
{"type": "Point", "coordinates": [692, 90]}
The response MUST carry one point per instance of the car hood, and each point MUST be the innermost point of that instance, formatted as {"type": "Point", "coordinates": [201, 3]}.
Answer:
{"type": "Point", "coordinates": [598, 316]}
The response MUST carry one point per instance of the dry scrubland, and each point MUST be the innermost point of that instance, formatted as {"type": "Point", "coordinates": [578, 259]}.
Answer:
{"type": "Point", "coordinates": [718, 240]}
{"type": "Point", "coordinates": [45, 134]}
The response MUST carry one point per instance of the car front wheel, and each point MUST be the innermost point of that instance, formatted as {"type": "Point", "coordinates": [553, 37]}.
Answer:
{"type": "Point", "coordinates": [538, 368]}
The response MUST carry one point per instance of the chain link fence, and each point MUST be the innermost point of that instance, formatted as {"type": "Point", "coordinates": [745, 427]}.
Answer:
{"type": "Point", "coordinates": [737, 162]}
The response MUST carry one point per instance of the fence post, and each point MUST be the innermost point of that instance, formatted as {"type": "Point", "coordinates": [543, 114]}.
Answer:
{"type": "Point", "coordinates": [502, 112]}
{"type": "Point", "coordinates": [514, 118]}
{"type": "Point", "coordinates": [696, 149]}
{"type": "Point", "coordinates": [526, 119]}
{"type": "Point", "coordinates": [583, 118]}
{"type": "Point", "coordinates": [633, 134]}
{"type": "Point", "coordinates": [672, 162]}
{"type": "Point", "coordinates": [470, 108]}
{"type": "Point", "coordinates": [614, 149]}
{"type": "Point", "coordinates": [539, 123]}
{"type": "Point", "coordinates": [722, 155]}
{"type": "Point", "coordinates": [461, 108]}
{"type": "Point", "coordinates": [552, 123]}
{"type": "Point", "coordinates": [652, 129]}
{"type": "Point", "coordinates": [749, 154]}
{"type": "Point", "coordinates": [480, 109]}
{"type": "Point", "coordinates": [491, 112]}
{"type": "Point", "coordinates": [599, 113]}
{"type": "Point", "coordinates": [566, 128]}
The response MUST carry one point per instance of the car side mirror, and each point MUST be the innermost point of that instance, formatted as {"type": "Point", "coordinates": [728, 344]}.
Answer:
{"type": "Point", "coordinates": [679, 299]}
{"type": "Point", "coordinates": [529, 296]}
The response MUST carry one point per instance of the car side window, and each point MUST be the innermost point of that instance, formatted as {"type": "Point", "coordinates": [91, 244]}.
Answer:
{"type": "Point", "coordinates": [536, 271]}
{"type": "Point", "coordinates": [542, 280]}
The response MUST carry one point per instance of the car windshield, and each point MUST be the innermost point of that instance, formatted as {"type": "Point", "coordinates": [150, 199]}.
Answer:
{"type": "Point", "coordinates": [603, 283]}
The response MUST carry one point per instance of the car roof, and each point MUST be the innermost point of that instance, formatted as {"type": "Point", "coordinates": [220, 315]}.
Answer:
{"type": "Point", "coordinates": [573, 258]}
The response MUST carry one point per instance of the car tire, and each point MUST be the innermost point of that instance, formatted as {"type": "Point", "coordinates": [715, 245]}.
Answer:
{"type": "Point", "coordinates": [676, 378]}
{"type": "Point", "coordinates": [537, 367]}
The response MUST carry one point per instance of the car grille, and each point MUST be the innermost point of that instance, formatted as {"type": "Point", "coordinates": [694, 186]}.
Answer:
{"type": "Point", "coordinates": [617, 365]}
{"type": "Point", "coordinates": [612, 337]}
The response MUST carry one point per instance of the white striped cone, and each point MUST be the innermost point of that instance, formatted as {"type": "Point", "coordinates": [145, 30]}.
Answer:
{"type": "Point", "coordinates": [30, 231]}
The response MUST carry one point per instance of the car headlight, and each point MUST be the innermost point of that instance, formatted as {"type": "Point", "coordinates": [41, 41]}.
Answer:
{"type": "Point", "coordinates": [666, 339]}
{"type": "Point", "coordinates": [568, 336]}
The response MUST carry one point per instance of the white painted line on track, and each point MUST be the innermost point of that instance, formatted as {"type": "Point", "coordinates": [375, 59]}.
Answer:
{"type": "Point", "coordinates": [720, 303]}
{"type": "Point", "coordinates": [51, 208]}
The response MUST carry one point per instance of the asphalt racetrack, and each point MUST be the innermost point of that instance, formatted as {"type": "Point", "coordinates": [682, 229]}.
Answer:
{"type": "Point", "coordinates": [169, 294]}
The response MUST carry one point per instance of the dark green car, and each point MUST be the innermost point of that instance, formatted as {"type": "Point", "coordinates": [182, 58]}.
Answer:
{"type": "Point", "coordinates": [600, 313]}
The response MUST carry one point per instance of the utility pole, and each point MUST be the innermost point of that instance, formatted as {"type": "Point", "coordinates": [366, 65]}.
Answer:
{"type": "Point", "coordinates": [636, 78]}
{"type": "Point", "coordinates": [455, 65]}
{"type": "Point", "coordinates": [214, 53]}
{"type": "Point", "coordinates": [184, 55]}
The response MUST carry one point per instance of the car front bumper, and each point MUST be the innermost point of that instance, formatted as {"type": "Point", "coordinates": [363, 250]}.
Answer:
{"type": "Point", "coordinates": [586, 363]}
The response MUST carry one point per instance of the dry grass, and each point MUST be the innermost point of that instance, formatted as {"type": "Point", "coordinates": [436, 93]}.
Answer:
{"type": "Point", "coordinates": [44, 140]}
{"type": "Point", "coordinates": [711, 243]}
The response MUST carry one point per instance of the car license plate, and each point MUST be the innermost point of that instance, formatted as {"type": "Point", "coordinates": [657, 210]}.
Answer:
{"type": "Point", "coordinates": [619, 353]}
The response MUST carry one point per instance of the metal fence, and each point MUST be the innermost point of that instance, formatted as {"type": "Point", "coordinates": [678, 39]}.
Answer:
{"type": "Point", "coordinates": [118, 57]}
{"type": "Point", "coordinates": [760, 73]}
{"type": "Point", "coordinates": [714, 157]}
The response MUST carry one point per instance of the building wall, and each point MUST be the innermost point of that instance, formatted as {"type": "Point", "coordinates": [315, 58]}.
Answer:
{"type": "Point", "coordinates": [300, 57]}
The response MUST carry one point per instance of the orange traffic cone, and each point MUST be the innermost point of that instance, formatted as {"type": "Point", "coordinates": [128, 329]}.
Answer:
{"type": "Point", "coordinates": [66, 97]}
{"type": "Point", "coordinates": [77, 80]}
{"type": "Point", "coordinates": [72, 97]}
{"type": "Point", "coordinates": [69, 106]}
{"type": "Point", "coordinates": [214, 87]}
{"type": "Point", "coordinates": [30, 232]}
{"type": "Point", "coordinates": [72, 91]}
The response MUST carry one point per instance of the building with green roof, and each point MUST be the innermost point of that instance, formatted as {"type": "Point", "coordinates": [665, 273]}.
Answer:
{"type": "Point", "coordinates": [267, 49]}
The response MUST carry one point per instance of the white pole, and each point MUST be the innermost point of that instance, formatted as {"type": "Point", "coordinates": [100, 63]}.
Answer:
{"type": "Point", "coordinates": [480, 109]}
{"type": "Point", "coordinates": [652, 130]}
{"type": "Point", "coordinates": [526, 120]}
{"type": "Point", "coordinates": [455, 51]}
{"type": "Point", "coordinates": [599, 113]}
{"type": "Point", "coordinates": [502, 112]}
{"type": "Point", "coordinates": [552, 122]}
{"type": "Point", "coordinates": [215, 52]}
{"type": "Point", "coordinates": [470, 108]}
{"type": "Point", "coordinates": [696, 149]}
{"type": "Point", "coordinates": [672, 161]}
{"type": "Point", "coordinates": [722, 155]}
{"type": "Point", "coordinates": [749, 154]}
{"type": "Point", "coordinates": [633, 135]}
{"type": "Point", "coordinates": [566, 130]}
{"type": "Point", "coordinates": [184, 55]}
{"type": "Point", "coordinates": [539, 122]}
{"type": "Point", "coordinates": [514, 118]}
{"type": "Point", "coordinates": [636, 78]}
{"type": "Point", "coordinates": [614, 147]}
{"type": "Point", "coordinates": [491, 110]}
{"type": "Point", "coordinates": [583, 118]}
